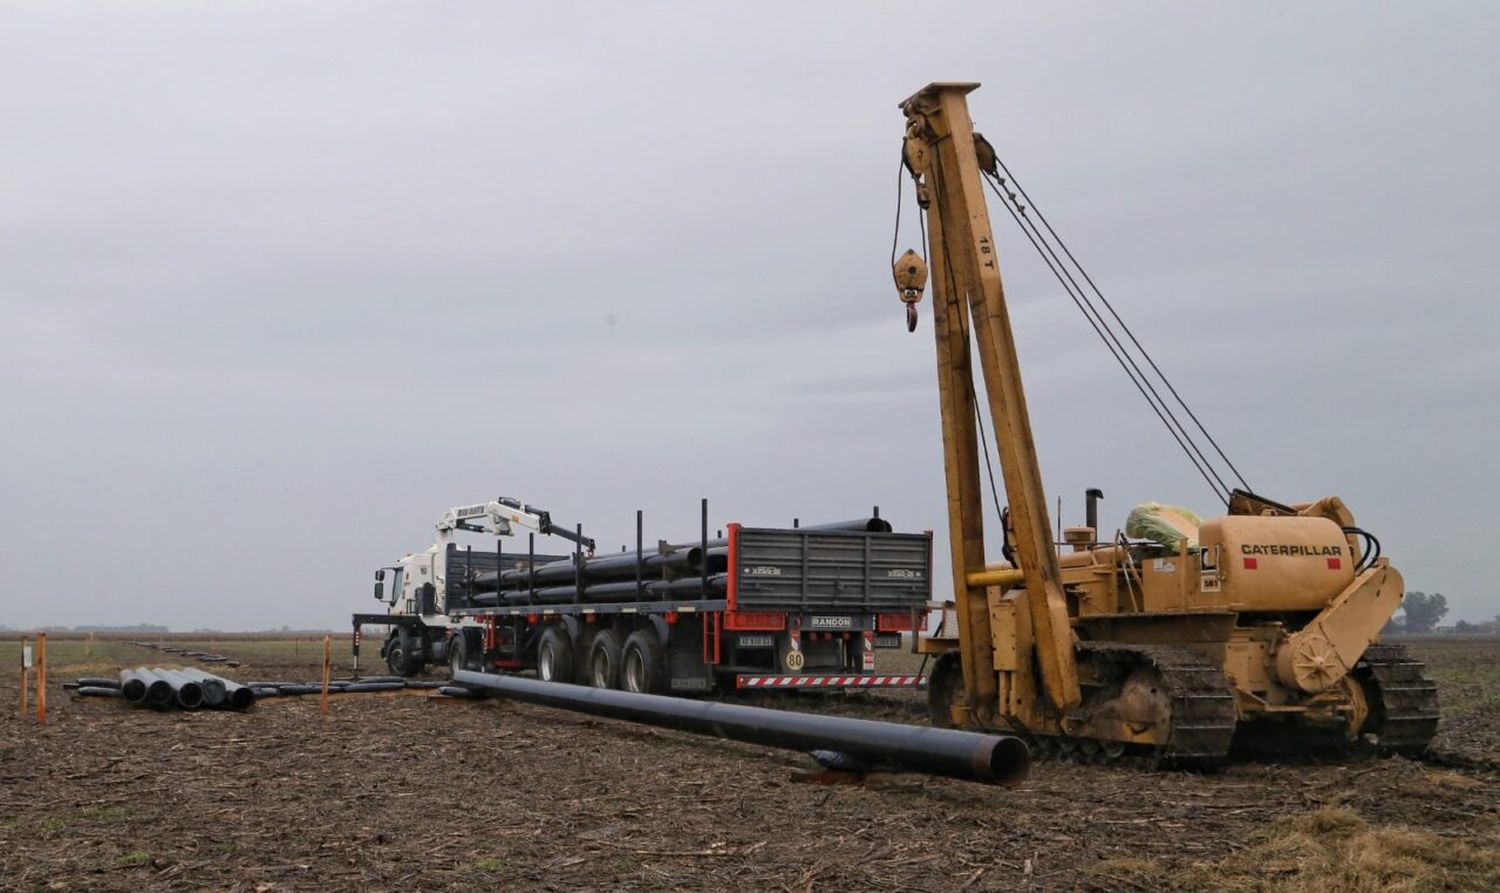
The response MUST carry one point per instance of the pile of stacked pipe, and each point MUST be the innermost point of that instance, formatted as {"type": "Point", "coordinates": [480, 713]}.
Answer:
{"type": "Point", "coordinates": [191, 689]}
{"type": "Point", "coordinates": [683, 571]}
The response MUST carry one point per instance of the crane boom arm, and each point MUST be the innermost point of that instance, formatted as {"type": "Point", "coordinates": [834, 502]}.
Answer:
{"type": "Point", "coordinates": [496, 517]}
{"type": "Point", "coordinates": [942, 152]}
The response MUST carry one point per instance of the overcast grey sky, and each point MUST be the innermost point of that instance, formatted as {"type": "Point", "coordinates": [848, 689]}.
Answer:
{"type": "Point", "coordinates": [281, 282]}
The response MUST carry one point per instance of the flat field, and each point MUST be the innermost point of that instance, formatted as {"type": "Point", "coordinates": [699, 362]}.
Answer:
{"type": "Point", "coordinates": [399, 792]}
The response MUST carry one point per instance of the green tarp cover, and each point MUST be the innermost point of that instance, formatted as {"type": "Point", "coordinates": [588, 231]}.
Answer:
{"type": "Point", "coordinates": [1165, 524]}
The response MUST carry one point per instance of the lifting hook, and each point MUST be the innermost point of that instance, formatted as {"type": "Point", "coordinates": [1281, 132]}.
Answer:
{"type": "Point", "coordinates": [911, 278]}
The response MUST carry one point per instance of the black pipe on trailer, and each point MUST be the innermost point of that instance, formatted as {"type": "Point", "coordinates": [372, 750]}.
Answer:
{"type": "Point", "coordinates": [873, 524]}
{"type": "Point", "coordinates": [995, 759]}
{"type": "Point", "coordinates": [578, 561]}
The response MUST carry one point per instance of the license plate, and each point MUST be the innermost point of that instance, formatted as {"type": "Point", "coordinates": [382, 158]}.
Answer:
{"type": "Point", "coordinates": [754, 641]}
{"type": "Point", "coordinates": [830, 623]}
{"type": "Point", "coordinates": [887, 640]}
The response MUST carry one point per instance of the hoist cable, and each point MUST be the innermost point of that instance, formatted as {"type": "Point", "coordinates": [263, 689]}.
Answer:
{"type": "Point", "coordinates": [900, 190]}
{"type": "Point", "coordinates": [1206, 474]}
{"type": "Point", "coordinates": [1086, 306]}
{"type": "Point", "coordinates": [1183, 403]}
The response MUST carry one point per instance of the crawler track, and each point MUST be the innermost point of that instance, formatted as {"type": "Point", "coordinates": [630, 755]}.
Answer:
{"type": "Point", "coordinates": [1403, 701]}
{"type": "Point", "coordinates": [1202, 710]}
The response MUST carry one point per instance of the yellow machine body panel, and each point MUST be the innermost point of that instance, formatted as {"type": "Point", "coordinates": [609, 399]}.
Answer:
{"type": "Point", "coordinates": [1277, 564]}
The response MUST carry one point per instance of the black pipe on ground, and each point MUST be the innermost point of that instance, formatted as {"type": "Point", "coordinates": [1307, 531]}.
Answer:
{"type": "Point", "coordinates": [97, 691]}
{"type": "Point", "coordinates": [214, 692]}
{"type": "Point", "coordinates": [236, 696]}
{"type": "Point", "coordinates": [996, 759]}
{"type": "Point", "coordinates": [186, 692]}
{"type": "Point", "coordinates": [97, 682]}
{"type": "Point", "coordinates": [144, 687]}
{"type": "Point", "coordinates": [133, 685]}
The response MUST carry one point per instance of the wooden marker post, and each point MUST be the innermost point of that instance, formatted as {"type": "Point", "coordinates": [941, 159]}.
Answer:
{"type": "Point", "coordinates": [41, 679]}
{"type": "Point", "coordinates": [25, 674]}
{"type": "Point", "coordinates": [327, 668]}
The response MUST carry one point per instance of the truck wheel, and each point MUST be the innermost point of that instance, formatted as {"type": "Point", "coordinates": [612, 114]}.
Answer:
{"type": "Point", "coordinates": [554, 656]}
{"type": "Point", "coordinates": [945, 687]}
{"type": "Point", "coordinates": [641, 665]}
{"type": "Point", "coordinates": [604, 660]}
{"type": "Point", "coordinates": [458, 658]}
{"type": "Point", "coordinates": [398, 654]}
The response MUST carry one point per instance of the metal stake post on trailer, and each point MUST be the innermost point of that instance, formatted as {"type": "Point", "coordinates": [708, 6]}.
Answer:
{"type": "Point", "coordinates": [703, 590]}
{"type": "Point", "coordinates": [578, 564]}
{"type": "Point", "coordinates": [640, 557]}
{"type": "Point", "coordinates": [491, 634]}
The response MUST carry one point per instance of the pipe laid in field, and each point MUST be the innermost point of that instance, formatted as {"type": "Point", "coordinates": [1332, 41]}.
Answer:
{"type": "Point", "coordinates": [97, 691]}
{"type": "Point", "coordinates": [997, 759]}
{"type": "Point", "coordinates": [185, 691]}
{"type": "Point", "coordinates": [214, 692]}
{"type": "Point", "coordinates": [144, 687]}
{"type": "Point", "coordinates": [236, 696]}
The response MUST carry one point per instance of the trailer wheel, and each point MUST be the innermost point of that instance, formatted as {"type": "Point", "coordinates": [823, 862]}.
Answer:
{"type": "Point", "coordinates": [641, 664]}
{"type": "Point", "coordinates": [945, 687]}
{"type": "Point", "coordinates": [554, 656]}
{"type": "Point", "coordinates": [604, 660]}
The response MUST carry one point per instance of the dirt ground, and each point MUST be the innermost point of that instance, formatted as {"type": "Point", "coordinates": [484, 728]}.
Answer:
{"type": "Point", "coordinates": [401, 792]}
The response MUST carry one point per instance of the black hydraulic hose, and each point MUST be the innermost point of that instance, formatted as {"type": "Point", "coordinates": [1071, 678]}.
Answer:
{"type": "Point", "coordinates": [972, 756]}
{"type": "Point", "coordinates": [1372, 547]}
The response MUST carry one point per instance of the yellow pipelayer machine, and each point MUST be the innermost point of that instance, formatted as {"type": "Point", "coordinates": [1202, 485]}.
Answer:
{"type": "Point", "coordinates": [1258, 627]}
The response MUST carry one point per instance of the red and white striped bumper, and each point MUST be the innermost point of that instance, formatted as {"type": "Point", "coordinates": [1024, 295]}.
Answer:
{"type": "Point", "coordinates": [810, 681]}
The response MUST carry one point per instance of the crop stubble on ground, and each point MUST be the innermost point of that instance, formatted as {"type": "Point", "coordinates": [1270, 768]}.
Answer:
{"type": "Point", "coordinates": [396, 792]}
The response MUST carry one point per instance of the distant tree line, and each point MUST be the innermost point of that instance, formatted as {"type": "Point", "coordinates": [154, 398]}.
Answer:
{"type": "Point", "coordinates": [1422, 612]}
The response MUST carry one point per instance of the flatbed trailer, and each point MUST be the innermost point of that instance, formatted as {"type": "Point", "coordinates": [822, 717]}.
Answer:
{"type": "Point", "coordinates": [756, 609]}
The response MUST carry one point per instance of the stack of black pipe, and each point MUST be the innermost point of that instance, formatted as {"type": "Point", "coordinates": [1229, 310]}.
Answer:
{"type": "Point", "coordinates": [188, 689]}
{"type": "Point", "coordinates": [665, 572]}
{"type": "Point", "coordinates": [686, 571]}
